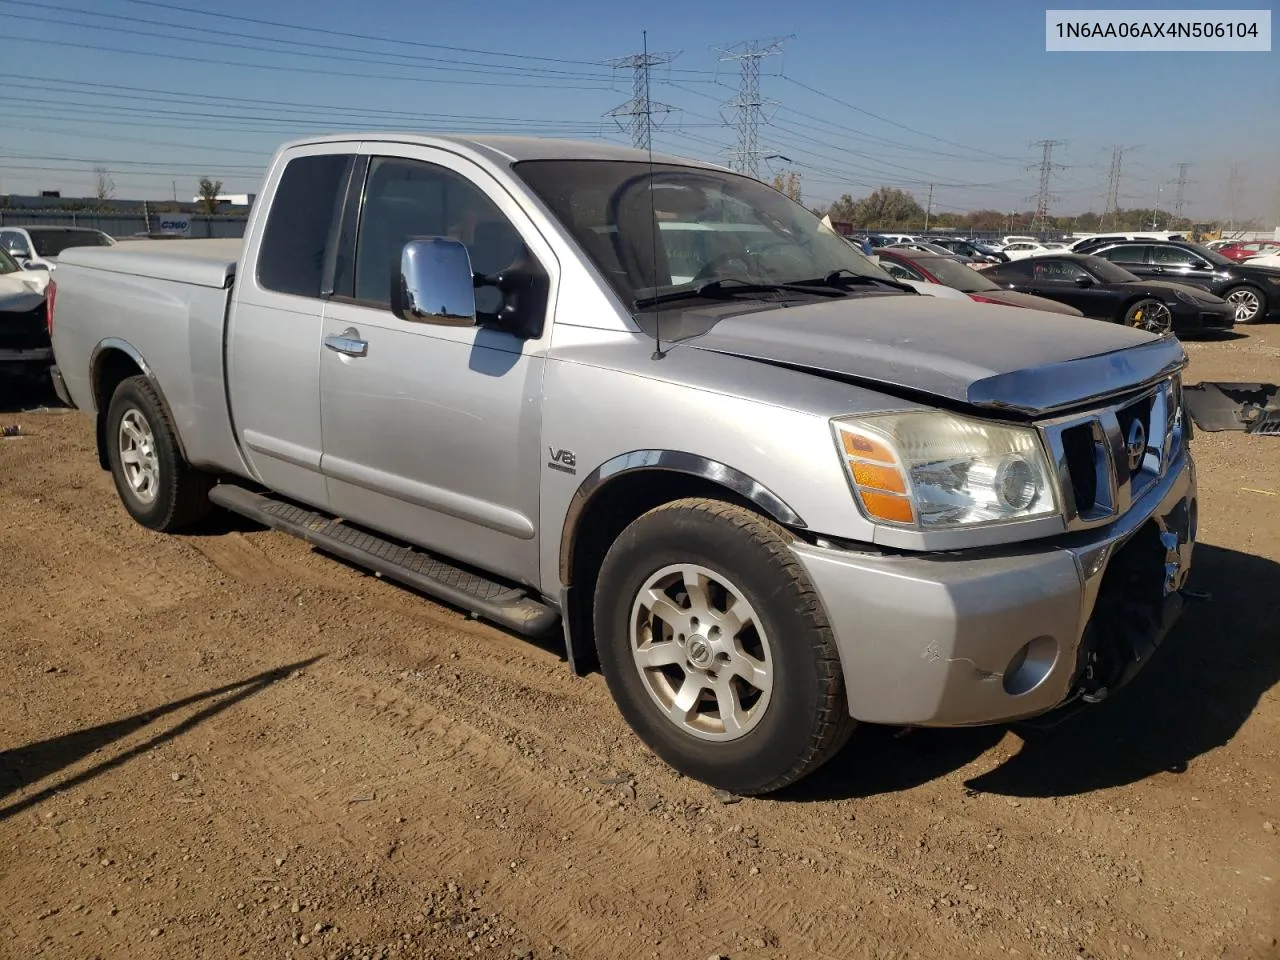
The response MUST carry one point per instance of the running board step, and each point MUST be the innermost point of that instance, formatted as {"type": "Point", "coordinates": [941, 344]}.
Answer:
{"type": "Point", "coordinates": [508, 606]}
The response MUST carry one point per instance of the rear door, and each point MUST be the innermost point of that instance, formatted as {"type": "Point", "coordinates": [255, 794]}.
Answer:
{"type": "Point", "coordinates": [1134, 257]}
{"type": "Point", "coordinates": [275, 329]}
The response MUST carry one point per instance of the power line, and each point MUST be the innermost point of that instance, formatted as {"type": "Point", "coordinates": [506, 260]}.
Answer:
{"type": "Point", "coordinates": [639, 110]}
{"type": "Point", "coordinates": [186, 58]}
{"type": "Point", "coordinates": [309, 47]}
{"type": "Point", "coordinates": [895, 123]}
{"type": "Point", "coordinates": [347, 36]}
{"type": "Point", "coordinates": [333, 52]}
{"type": "Point", "coordinates": [748, 103]}
{"type": "Point", "coordinates": [1043, 197]}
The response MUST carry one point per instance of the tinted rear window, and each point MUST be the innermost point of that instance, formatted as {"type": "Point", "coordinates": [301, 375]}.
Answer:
{"type": "Point", "coordinates": [51, 241]}
{"type": "Point", "coordinates": [301, 224]}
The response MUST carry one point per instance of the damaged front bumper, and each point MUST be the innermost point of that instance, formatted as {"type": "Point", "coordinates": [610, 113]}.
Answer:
{"type": "Point", "coordinates": [975, 637]}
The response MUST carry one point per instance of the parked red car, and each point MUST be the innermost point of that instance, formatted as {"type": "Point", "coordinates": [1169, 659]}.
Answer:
{"type": "Point", "coordinates": [1242, 250]}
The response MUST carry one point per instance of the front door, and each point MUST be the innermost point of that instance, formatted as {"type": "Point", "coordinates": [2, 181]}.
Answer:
{"type": "Point", "coordinates": [432, 433]}
{"type": "Point", "coordinates": [1181, 266]}
{"type": "Point", "coordinates": [1134, 257]}
{"type": "Point", "coordinates": [1069, 283]}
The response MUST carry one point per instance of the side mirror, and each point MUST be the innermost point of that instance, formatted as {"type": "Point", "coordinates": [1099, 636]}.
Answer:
{"type": "Point", "coordinates": [433, 283]}
{"type": "Point", "coordinates": [1084, 281]}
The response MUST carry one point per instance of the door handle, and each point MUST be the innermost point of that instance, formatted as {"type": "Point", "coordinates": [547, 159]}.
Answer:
{"type": "Point", "coordinates": [349, 343]}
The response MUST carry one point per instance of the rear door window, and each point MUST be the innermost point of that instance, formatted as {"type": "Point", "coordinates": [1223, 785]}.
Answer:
{"type": "Point", "coordinates": [1129, 253]}
{"type": "Point", "coordinates": [303, 224]}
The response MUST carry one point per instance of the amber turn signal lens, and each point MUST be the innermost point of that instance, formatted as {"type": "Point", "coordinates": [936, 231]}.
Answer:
{"type": "Point", "coordinates": [878, 478]}
{"type": "Point", "coordinates": [864, 448]}
{"type": "Point", "coordinates": [886, 506]}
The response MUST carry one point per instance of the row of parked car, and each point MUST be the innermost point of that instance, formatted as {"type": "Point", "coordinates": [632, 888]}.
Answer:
{"type": "Point", "coordinates": [28, 260]}
{"type": "Point", "coordinates": [1161, 285]}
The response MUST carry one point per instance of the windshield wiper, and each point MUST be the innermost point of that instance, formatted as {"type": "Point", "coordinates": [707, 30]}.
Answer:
{"type": "Point", "coordinates": [729, 286]}
{"type": "Point", "coordinates": [844, 278]}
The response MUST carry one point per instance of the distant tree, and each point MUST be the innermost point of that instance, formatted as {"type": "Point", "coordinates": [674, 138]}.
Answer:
{"type": "Point", "coordinates": [789, 185]}
{"type": "Point", "coordinates": [844, 209]}
{"type": "Point", "coordinates": [209, 190]}
{"type": "Point", "coordinates": [888, 207]}
{"type": "Point", "coordinates": [104, 188]}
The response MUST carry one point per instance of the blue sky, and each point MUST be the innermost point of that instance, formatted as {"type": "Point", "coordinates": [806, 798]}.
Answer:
{"type": "Point", "coordinates": [951, 93]}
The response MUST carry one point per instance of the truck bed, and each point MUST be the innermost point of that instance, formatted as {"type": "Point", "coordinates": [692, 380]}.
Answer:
{"type": "Point", "coordinates": [203, 263]}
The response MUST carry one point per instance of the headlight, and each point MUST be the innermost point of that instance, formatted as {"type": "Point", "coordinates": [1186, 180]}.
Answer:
{"type": "Point", "coordinates": [934, 470]}
{"type": "Point", "coordinates": [1187, 297]}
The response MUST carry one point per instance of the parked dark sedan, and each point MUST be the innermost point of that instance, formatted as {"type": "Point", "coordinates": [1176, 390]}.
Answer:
{"type": "Point", "coordinates": [1253, 291]}
{"type": "Point", "coordinates": [929, 268]}
{"type": "Point", "coordinates": [966, 249]}
{"type": "Point", "coordinates": [1102, 290]}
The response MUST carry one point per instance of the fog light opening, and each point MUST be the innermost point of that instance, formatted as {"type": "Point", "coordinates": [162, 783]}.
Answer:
{"type": "Point", "coordinates": [1028, 667]}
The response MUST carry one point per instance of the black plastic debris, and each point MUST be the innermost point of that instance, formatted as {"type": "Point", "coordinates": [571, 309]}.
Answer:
{"type": "Point", "coordinates": [1251, 407]}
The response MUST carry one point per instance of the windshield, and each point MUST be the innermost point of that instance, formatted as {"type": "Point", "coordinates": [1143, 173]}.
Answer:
{"type": "Point", "coordinates": [957, 275]}
{"type": "Point", "coordinates": [51, 241]}
{"type": "Point", "coordinates": [712, 225]}
{"type": "Point", "coordinates": [1106, 271]}
{"type": "Point", "coordinates": [8, 264]}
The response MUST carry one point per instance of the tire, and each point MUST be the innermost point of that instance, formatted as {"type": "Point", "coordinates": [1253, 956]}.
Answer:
{"type": "Point", "coordinates": [793, 721]}
{"type": "Point", "coordinates": [1149, 314]}
{"type": "Point", "coordinates": [1244, 297]}
{"type": "Point", "coordinates": [156, 485]}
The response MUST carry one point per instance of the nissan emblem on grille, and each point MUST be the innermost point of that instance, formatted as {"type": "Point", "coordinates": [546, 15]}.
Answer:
{"type": "Point", "coordinates": [1136, 445]}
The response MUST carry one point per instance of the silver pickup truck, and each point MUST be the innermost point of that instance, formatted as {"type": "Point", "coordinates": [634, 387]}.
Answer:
{"type": "Point", "coordinates": [765, 488]}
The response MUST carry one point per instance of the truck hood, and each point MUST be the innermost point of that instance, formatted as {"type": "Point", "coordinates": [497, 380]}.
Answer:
{"type": "Point", "coordinates": [977, 354]}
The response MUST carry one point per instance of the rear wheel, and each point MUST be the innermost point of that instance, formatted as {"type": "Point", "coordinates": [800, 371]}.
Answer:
{"type": "Point", "coordinates": [157, 486]}
{"type": "Point", "coordinates": [1250, 304]}
{"type": "Point", "coordinates": [1151, 315]}
{"type": "Point", "coordinates": [717, 649]}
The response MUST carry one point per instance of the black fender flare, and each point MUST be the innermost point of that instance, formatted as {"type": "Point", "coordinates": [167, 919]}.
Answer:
{"type": "Point", "coordinates": [674, 461]}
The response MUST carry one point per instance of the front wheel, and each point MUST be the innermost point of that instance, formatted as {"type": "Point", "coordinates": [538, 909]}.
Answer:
{"type": "Point", "coordinates": [157, 486]}
{"type": "Point", "coordinates": [716, 647]}
{"type": "Point", "coordinates": [1249, 303]}
{"type": "Point", "coordinates": [1150, 315]}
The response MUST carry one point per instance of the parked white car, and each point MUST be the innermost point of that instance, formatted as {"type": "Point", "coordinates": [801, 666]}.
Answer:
{"type": "Point", "coordinates": [1024, 248]}
{"type": "Point", "coordinates": [37, 247]}
{"type": "Point", "coordinates": [25, 351]}
{"type": "Point", "coordinates": [1265, 260]}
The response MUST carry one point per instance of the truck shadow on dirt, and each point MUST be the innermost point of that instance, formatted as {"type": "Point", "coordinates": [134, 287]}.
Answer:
{"type": "Point", "coordinates": [22, 767]}
{"type": "Point", "coordinates": [17, 399]}
{"type": "Point", "coordinates": [1199, 689]}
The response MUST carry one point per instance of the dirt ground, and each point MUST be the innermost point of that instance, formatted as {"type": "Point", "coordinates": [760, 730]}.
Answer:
{"type": "Point", "coordinates": [230, 745]}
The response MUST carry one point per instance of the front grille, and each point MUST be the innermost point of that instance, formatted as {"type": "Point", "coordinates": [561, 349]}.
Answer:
{"type": "Point", "coordinates": [24, 330]}
{"type": "Point", "coordinates": [1108, 456]}
{"type": "Point", "coordinates": [1081, 458]}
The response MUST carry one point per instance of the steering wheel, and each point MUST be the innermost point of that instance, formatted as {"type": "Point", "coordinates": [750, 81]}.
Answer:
{"type": "Point", "coordinates": [743, 268]}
